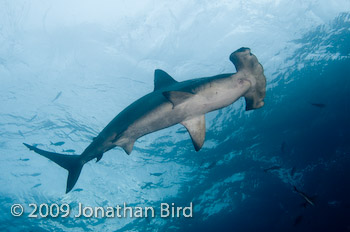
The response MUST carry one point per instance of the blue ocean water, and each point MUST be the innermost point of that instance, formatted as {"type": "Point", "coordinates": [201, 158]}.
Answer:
{"type": "Point", "coordinates": [66, 69]}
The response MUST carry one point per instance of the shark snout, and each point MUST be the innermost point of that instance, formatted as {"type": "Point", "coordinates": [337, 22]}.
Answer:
{"type": "Point", "coordinates": [241, 58]}
{"type": "Point", "coordinates": [243, 51]}
{"type": "Point", "coordinates": [249, 68]}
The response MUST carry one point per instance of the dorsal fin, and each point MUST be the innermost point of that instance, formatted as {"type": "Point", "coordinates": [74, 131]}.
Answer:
{"type": "Point", "coordinates": [196, 128]}
{"type": "Point", "coordinates": [162, 79]}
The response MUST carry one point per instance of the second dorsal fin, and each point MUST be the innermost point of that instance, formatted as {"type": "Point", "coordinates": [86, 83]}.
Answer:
{"type": "Point", "coordinates": [162, 79]}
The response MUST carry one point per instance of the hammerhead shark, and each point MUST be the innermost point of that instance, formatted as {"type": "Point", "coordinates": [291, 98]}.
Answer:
{"type": "Point", "coordinates": [170, 103]}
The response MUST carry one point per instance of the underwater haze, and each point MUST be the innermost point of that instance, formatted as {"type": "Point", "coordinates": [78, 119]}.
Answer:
{"type": "Point", "coordinates": [67, 68]}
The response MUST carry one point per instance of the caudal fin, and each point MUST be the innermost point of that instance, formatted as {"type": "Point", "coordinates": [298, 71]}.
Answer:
{"type": "Point", "coordinates": [72, 163]}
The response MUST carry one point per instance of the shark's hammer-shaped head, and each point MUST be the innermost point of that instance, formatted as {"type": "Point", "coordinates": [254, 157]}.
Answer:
{"type": "Point", "coordinates": [249, 68]}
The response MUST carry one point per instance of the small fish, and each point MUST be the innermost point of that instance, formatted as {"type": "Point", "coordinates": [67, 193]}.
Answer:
{"type": "Point", "coordinates": [307, 198]}
{"type": "Point", "coordinates": [24, 159]}
{"type": "Point", "coordinates": [58, 143]}
{"type": "Point", "coordinates": [211, 165]}
{"type": "Point", "coordinates": [147, 185]}
{"type": "Point", "coordinates": [57, 96]}
{"type": "Point", "coordinates": [32, 118]}
{"type": "Point", "coordinates": [157, 173]}
{"type": "Point", "coordinates": [333, 203]}
{"type": "Point", "coordinates": [272, 168]}
{"type": "Point", "coordinates": [77, 190]}
{"type": "Point", "coordinates": [36, 174]}
{"type": "Point", "coordinates": [298, 220]}
{"type": "Point", "coordinates": [20, 133]}
{"type": "Point", "coordinates": [181, 131]}
{"type": "Point", "coordinates": [319, 105]}
{"type": "Point", "coordinates": [37, 185]}
{"type": "Point", "coordinates": [69, 150]}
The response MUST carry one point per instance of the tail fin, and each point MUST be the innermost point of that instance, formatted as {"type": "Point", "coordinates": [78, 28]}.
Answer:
{"type": "Point", "coordinates": [247, 64]}
{"type": "Point", "coordinates": [72, 163]}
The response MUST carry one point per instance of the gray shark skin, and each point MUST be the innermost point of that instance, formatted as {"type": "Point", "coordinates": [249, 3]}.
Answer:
{"type": "Point", "coordinates": [171, 103]}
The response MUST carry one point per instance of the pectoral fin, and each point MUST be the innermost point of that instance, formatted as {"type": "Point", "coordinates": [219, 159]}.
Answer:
{"type": "Point", "coordinates": [196, 128]}
{"type": "Point", "coordinates": [128, 147]}
{"type": "Point", "coordinates": [177, 97]}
